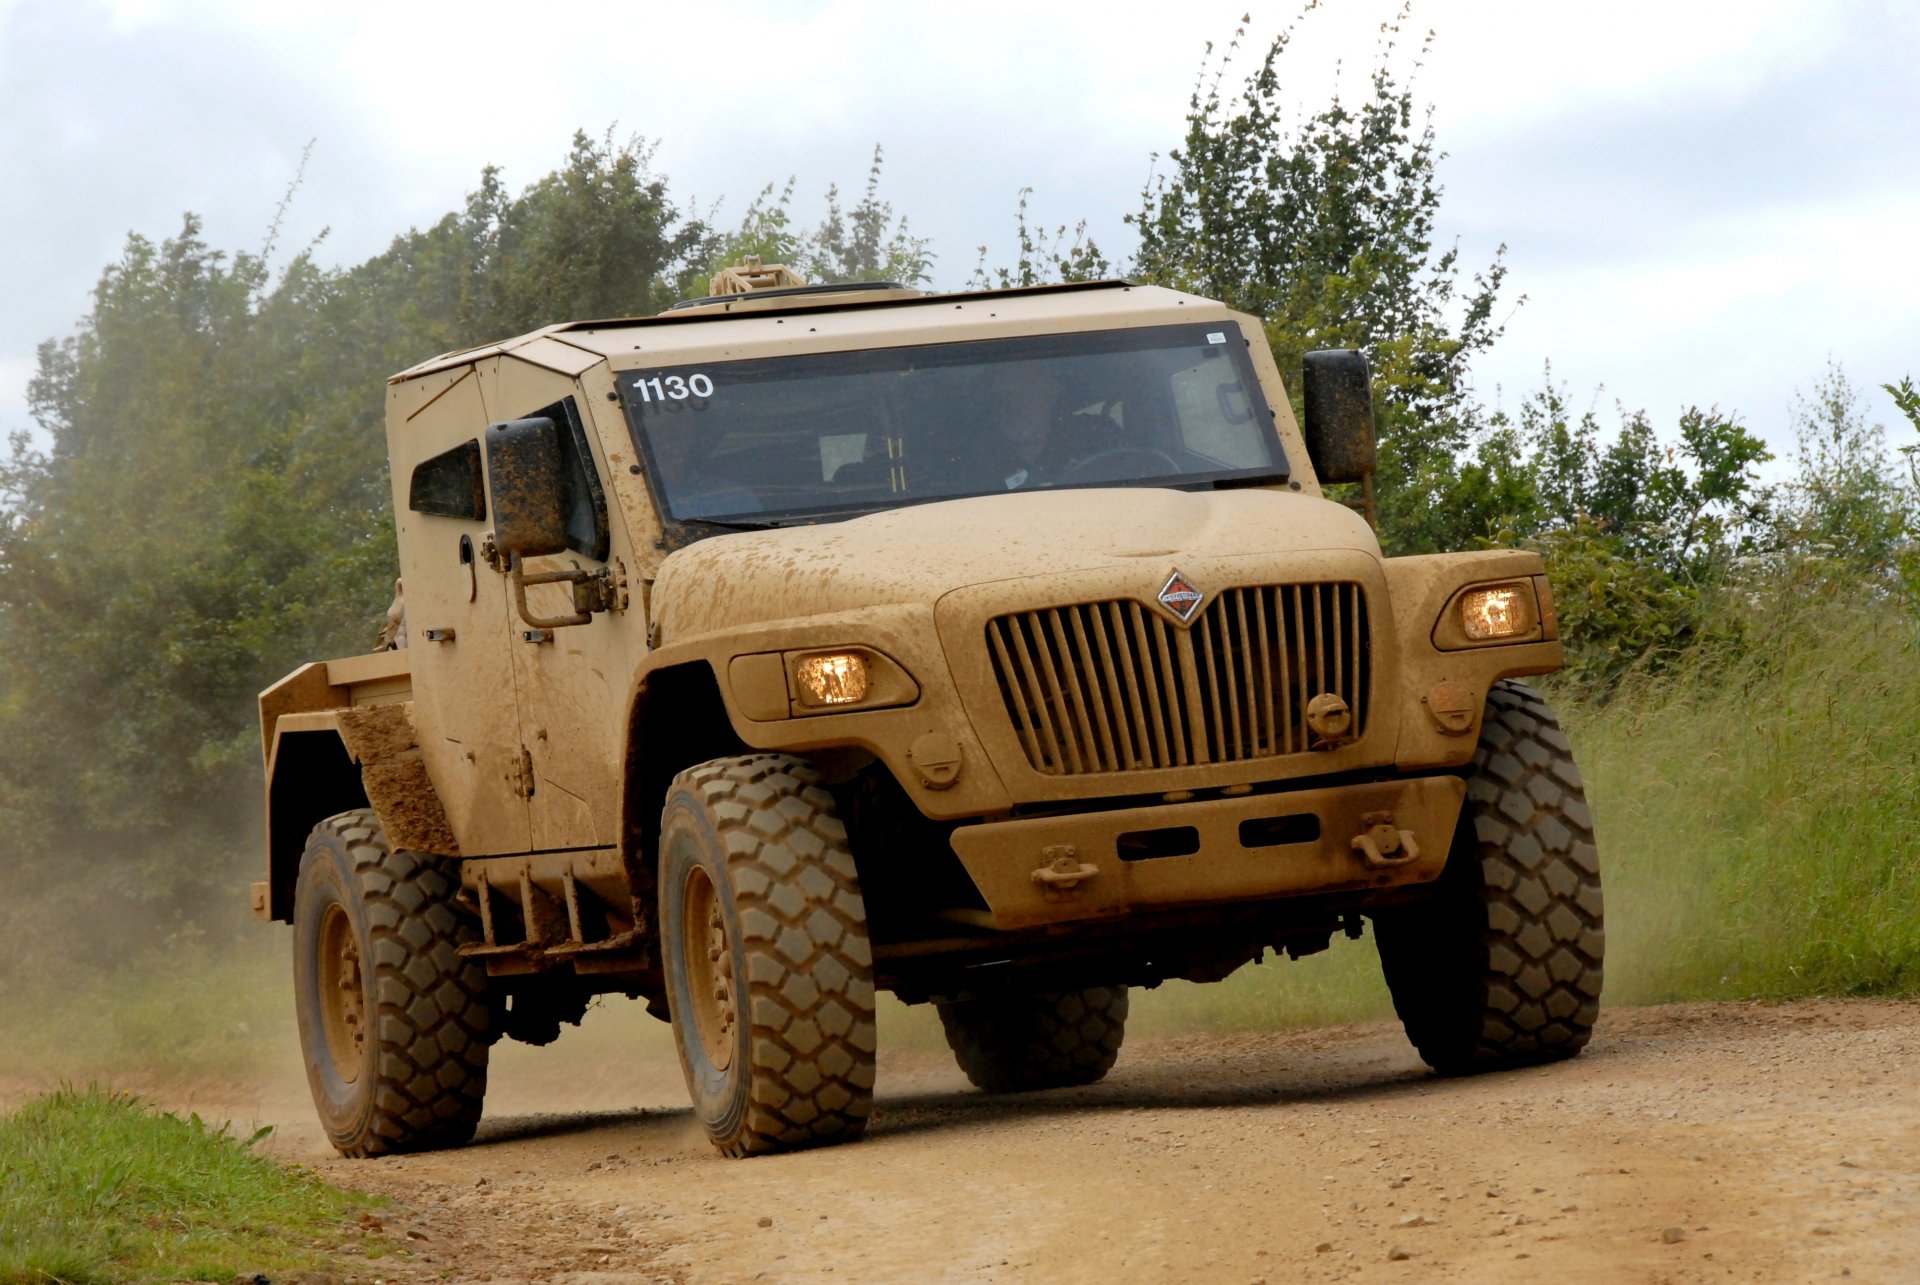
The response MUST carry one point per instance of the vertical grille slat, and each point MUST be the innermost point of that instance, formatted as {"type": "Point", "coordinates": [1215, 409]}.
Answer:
{"type": "Point", "coordinates": [1269, 716]}
{"type": "Point", "coordinates": [1115, 686]}
{"type": "Point", "coordinates": [1236, 745]}
{"type": "Point", "coordinates": [1079, 736]}
{"type": "Point", "coordinates": [1017, 700]}
{"type": "Point", "coordinates": [1150, 683]}
{"type": "Point", "coordinates": [1174, 687]}
{"type": "Point", "coordinates": [1047, 685]}
{"type": "Point", "coordinates": [1127, 675]}
{"type": "Point", "coordinates": [1362, 687]}
{"type": "Point", "coordinates": [1248, 679]}
{"type": "Point", "coordinates": [1315, 595]}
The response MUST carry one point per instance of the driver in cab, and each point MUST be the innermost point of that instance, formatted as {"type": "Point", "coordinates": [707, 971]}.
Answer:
{"type": "Point", "coordinates": [1039, 438]}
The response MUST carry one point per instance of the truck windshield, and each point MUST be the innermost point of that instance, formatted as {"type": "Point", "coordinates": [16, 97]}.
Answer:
{"type": "Point", "coordinates": [764, 441]}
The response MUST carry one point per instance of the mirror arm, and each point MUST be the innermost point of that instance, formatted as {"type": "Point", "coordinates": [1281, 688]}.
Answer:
{"type": "Point", "coordinates": [591, 593]}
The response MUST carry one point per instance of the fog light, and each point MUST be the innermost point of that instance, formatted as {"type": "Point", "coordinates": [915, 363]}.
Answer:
{"type": "Point", "coordinates": [832, 678]}
{"type": "Point", "coordinates": [1498, 611]}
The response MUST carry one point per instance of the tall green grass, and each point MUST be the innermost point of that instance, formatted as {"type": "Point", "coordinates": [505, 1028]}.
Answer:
{"type": "Point", "coordinates": [1759, 813]}
{"type": "Point", "coordinates": [96, 1187]}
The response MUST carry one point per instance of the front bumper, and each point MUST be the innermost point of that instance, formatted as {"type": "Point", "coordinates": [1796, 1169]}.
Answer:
{"type": "Point", "coordinates": [1046, 870]}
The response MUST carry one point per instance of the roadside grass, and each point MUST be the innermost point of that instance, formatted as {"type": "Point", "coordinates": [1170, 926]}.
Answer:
{"type": "Point", "coordinates": [95, 1186]}
{"type": "Point", "coordinates": [1760, 817]}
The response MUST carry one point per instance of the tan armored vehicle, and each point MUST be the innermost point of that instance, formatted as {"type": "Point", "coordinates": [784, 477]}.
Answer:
{"type": "Point", "coordinates": [998, 649]}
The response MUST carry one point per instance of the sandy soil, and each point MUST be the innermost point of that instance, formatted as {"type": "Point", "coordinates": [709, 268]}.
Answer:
{"type": "Point", "coordinates": [1689, 1143]}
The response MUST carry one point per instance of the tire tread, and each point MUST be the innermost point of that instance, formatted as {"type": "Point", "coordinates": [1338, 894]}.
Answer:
{"type": "Point", "coordinates": [1504, 967]}
{"type": "Point", "coordinates": [809, 997]}
{"type": "Point", "coordinates": [432, 1023]}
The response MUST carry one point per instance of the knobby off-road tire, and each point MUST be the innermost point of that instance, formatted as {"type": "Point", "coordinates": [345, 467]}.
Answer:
{"type": "Point", "coordinates": [1502, 967]}
{"type": "Point", "coordinates": [1014, 1043]}
{"type": "Point", "coordinates": [764, 941]}
{"type": "Point", "coordinates": [394, 1023]}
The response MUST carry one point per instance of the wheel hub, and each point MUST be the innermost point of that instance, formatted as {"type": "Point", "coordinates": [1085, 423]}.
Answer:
{"type": "Point", "coordinates": [343, 996]}
{"type": "Point", "coordinates": [709, 963]}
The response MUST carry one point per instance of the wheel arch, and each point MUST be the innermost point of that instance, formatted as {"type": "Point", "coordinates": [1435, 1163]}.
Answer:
{"type": "Point", "coordinates": [338, 760]}
{"type": "Point", "coordinates": [686, 703]}
{"type": "Point", "coordinates": [312, 778]}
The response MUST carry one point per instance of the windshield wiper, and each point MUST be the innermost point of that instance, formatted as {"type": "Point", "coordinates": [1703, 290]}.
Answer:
{"type": "Point", "coordinates": [1240, 480]}
{"type": "Point", "coordinates": [735, 524]}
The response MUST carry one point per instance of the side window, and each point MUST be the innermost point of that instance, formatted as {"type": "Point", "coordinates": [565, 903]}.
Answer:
{"type": "Point", "coordinates": [1211, 402]}
{"type": "Point", "coordinates": [449, 485]}
{"type": "Point", "coordinates": [585, 499]}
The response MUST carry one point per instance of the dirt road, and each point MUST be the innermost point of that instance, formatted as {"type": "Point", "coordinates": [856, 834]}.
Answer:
{"type": "Point", "coordinates": [1690, 1143]}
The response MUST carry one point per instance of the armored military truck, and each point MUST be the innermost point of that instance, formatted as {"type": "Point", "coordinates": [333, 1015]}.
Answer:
{"type": "Point", "coordinates": [998, 649]}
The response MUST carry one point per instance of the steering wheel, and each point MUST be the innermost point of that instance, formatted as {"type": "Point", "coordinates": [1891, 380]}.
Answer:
{"type": "Point", "coordinates": [1118, 463]}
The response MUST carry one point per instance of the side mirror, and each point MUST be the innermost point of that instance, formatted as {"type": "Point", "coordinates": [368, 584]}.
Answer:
{"type": "Point", "coordinates": [526, 480]}
{"type": "Point", "coordinates": [526, 477]}
{"type": "Point", "coordinates": [1338, 389]}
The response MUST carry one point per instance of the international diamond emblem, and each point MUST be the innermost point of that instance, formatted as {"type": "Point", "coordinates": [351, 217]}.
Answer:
{"type": "Point", "coordinates": [1180, 597]}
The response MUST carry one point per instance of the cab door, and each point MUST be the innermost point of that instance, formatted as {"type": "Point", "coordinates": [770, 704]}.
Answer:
{"type": "Point", "coordinates": [571, 681]}
{"type": "Point", "coordinates": [466, 709]}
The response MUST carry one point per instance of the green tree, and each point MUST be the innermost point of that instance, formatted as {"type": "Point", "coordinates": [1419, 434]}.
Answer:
{"type": "Point", "coordinates": [1324, 228]}
{"type": "Point", "coordinates": [208, 504]}
{"type": "Point", "coordinates": [1042, 256]}
{"type": "Point", "coordinates": [1639, 531]}
{"type": "Point", "coordinates": [1845, 512]}
{"type": "Point", "coordinates": [1684, 506]}
{"type": "Point", "coordinates": [866, 243]}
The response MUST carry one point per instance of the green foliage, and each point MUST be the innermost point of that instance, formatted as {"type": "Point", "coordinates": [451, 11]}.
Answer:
{"type": "Point", "coordinates": [211, 507]}
{"type": "Point", "coordinates": [866, 243]}
{"type": "Point", "coordinates": [1637, 532]}
{"type": "Point", "coordinates": [1844, 513]}
{"type": "Point", "coordinates": [1324, 228]}
{"type": "Point", "coordinates": [1618, 614]}
{"type": "Point", "coordinates": [1043, 256]}
{"type": "Point", "coordinates": [96, 1187]}
{"type": "Point", "coordinates": [1906, 397]}
{"type": "Point", "coordinates": [1750, 806]}
{"type": "Point", "coordinates": [1684, 508]}
{"type": "Point", "coordinates": [185, 531]}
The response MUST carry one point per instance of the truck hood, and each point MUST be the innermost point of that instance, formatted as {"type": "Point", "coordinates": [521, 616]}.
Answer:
{"type": "Point", "coordinates": [917, 554]}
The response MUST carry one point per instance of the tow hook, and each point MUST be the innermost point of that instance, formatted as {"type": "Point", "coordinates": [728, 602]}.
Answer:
{"type": "Point", "coordinates": [1381, 846]}
{"type": "Point", "coordinates": [1061, 877]}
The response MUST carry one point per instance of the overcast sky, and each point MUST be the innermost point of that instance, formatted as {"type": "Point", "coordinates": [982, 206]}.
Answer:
{"type": "Point", "coordinates": [1700, 201]}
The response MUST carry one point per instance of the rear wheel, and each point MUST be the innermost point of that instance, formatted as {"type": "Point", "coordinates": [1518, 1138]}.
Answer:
{"type": "Point", "coordinates": [1502, 966]}
{"type": "Point", "coordinates": [1014, 1043]}
{"type": "Point", "coordinates": [764, 941]}
{"type": "Point", "coordinates": [394, 1023]}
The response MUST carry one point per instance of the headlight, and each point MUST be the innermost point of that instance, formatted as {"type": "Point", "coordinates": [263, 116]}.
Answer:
{"type": "Point", "coordinates": [831, 678]}
{"type": "Point", "coordinates": [1497, 611]}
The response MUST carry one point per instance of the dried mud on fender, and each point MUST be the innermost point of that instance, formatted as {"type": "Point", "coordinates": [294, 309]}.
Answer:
{"type": "Point", "coordinates": [381, 739]}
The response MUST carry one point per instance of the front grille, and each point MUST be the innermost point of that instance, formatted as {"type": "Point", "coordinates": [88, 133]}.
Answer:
{"type": "Point", "coordinates": [1117, 687]}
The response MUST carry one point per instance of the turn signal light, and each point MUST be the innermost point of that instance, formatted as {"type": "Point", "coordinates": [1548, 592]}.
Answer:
{"type": "Point", "coordinates": [832, 678]}
{"type": "Point", "coordinates": [1497, 611]}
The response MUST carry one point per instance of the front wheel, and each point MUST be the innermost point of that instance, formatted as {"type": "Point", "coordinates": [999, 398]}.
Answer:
{"type": "Point", "coordinates": [394, 1022]}
{"type": "Point", "coordinates": [764, 941]}
{"type": "Point", "coordinates": [1501, 967]}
